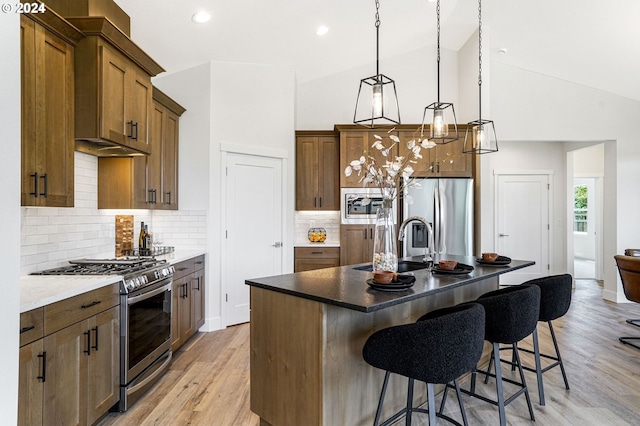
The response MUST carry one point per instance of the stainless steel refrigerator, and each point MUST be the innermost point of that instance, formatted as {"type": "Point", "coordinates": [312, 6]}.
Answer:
{"type": "Point", "coordinates": [448, 205]}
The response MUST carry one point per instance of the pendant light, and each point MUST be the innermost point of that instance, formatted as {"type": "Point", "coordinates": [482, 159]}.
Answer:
{"type": "Point", "coordinates": [481, 134]}
{"type": "Point", "coordinates": [444, 128]}
{"type": "Point", "coordinates": [377, 98]}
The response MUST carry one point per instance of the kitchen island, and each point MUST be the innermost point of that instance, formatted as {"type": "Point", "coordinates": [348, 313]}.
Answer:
{"type": "Point", "coordinates": [308, 330]}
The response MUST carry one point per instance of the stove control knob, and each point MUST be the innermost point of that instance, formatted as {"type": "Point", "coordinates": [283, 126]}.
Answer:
{"type": "Point", "coordinates": [172, 269]}
{"type": "Point", "coordinates": [143, 280]}
{"type": "Point", "coordinates": [136, 281]}
{"type": "Point", "coordinates": [165, 272]}
{"type": "Point", "coordinates": [129, 285]}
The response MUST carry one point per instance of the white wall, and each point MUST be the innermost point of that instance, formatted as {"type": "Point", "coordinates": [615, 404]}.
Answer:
{"type": "Point", "coordinates": [529, 107]}
{"type": "Point", "coordinates": [10, 213]}
{"type": "Point", "coordinates": [246, 105]}
{"type": "Point", "coordinates": [331, 100]}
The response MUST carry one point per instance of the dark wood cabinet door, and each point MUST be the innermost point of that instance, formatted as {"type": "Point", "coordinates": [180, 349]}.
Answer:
{"type": "Point", "coordinates": [138, 108]}
{"type": "Point", "coordinates": [450, 161]}
{"type": "Point", "coordinates": [104, 364]}
{"type": "Point", "coordinates": [47, 85]}
{"type": "Point", "coordinates": [197, 297]}
{"type": "Point", "coordinates": [169, 196]}
{"type": "Point", "coordinates": [65, 390]}
{"type": "Point", "coordinates": [329, 173]}
{"type": "Point", "coordinates": [307, 165]}
{"type": "Point", "coordinates": [30, 387]}
{"type": "Point", "coordinates": [113, 92]}
{"type": "Point", "coordinates": [28, 111]}
{"type": "Point", "coordinates": [353, 145]}
{"type": "Point", "coordinates": [356, 244]}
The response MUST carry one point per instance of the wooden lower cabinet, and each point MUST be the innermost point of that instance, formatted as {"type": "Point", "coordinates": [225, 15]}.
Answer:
{"type": "Point", "coordinates": [356, 244]}
{"type": "Point", "coordinates": [31, 387]}
{"type": "Point", "coordinates": [188, 300]}
{"type": "Point", "coordinates": [182, 314]}
{"type": "Point", "coordinates": [310, 258]}
{"type": "Point", "coordinates": [71, 376]}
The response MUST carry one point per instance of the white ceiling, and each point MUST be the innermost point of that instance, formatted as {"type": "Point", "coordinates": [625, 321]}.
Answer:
{"type": "Point", "coordinates": [594, 43]}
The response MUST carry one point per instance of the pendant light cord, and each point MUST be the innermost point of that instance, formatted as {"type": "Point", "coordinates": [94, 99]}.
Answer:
{"type": "Point", "coordinates": [480, 59]}
{"type": "Point", "coordinates": [438, 38]}
{"type": "Point", "coordinates": [377, 37]}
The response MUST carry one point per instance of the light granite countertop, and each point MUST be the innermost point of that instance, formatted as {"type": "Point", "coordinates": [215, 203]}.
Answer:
{"type": "Point", "coordinates": [40, 290]}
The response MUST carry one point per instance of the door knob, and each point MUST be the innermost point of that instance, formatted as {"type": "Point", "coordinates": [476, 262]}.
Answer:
{"type": "Point", "coordinates": [503, 235]}
{"type": "Point", "coordinates": [277, 244]}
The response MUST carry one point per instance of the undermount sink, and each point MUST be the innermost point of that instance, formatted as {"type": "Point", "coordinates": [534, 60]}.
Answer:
{"type": "Point", "coordinates": [403, 266]}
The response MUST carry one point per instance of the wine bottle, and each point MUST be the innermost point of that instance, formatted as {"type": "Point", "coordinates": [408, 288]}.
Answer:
{"type": "Point", "coordinates": [141, 239]}
{"type": "Point", "coordinates": [147, 239]}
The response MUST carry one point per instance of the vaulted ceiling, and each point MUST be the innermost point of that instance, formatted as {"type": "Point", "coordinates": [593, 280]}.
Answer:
{"type": "Point", "coordinates": [593, 43]}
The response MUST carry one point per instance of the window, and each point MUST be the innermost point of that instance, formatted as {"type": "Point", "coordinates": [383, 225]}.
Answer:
{"type": "Point", "coordinates": [580, 208]}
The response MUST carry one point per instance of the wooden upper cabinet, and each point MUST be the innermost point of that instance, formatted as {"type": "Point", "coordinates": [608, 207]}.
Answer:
{"type": "Point", "coordinates": [356, 141]}
{"type": "Point", "coordinates": [146, 182]}
{"type": "Point", "coordinates": [47, 108]}
{"type": "Point", "coordinates": [113, 90]}
{"type": "Point", "coordinates": [445, 160]}
{"type": "Point", "coordinates": [317, 171]}
{"type": "Point", "coordinates": [113, 97]}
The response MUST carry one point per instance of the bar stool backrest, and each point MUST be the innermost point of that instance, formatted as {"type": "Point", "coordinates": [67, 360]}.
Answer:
{"type": "Point", "coordinates": [629, 269]}
{"type": "Point", "coordinates": [511, 313]}
{"type": "Point", "coordinates": [555, 295]}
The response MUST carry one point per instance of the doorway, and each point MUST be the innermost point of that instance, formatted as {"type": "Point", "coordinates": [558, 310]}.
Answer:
{"type": "Point", "coordinates": [522, 223]}
{"type": "Point", "coordinates": [585, 217]}
{"type": "Point", "coordinates": [253, 228]}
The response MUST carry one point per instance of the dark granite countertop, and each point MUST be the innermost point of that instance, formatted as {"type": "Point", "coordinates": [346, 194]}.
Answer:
{"type": "Point", "coordinates": [347, 287]}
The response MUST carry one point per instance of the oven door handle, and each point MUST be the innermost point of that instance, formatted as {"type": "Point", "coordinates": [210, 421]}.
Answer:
{"type": "Point", "coordinates": [155, 374]}
{"type": "Point", "coordinates": [167, 287]}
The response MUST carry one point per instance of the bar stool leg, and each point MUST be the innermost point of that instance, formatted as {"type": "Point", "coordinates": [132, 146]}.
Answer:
{"type": "Point", "coordinates": [409, 403]}
{"type": "Point", "coordinates": [499, 390]}
{"type": "Point", "coordinates": [536, 351]}
{"type": "Point", "coordinates": [555, 345]}
{"type": "Point", "coordinates": [384, 389]}
{"type": "Point", "coordinates": [460, 403]}
{"type": "Point", "coordinates": [486, 377]}
{"type": "Point", "coordinates": [444, 397]}
{"type": "Point", "coordinates": [523, 381]}
{"type": "Point", "coordinates": [431, 397]}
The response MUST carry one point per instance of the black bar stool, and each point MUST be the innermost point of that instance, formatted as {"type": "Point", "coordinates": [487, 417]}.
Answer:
{"type": "Point", "coordinates": [437, 350]}
{"type": "Point", "coordinates": [555, 299]}
{"type": "Point", "coordinates": [511, 315]}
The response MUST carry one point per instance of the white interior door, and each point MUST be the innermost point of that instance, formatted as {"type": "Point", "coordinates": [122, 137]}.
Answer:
{"type": "Point", "coordinates": [253, 232]}
{"type": "Point", "coordinates": [522, 205]}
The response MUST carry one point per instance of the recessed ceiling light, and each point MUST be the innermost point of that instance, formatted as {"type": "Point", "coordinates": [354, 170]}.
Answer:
{"type": "Point", "coordinates": [322, 30]}
{"type": "Point", "coordinates": [502, 50]}
{"type": "Point", "coordinates": [201, 17]}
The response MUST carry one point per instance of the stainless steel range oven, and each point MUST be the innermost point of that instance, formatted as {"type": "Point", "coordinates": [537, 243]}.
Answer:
{"type": "Point", "coordinates": [145, 318]}
{"type": "Point", "coordinates": [145, 331]}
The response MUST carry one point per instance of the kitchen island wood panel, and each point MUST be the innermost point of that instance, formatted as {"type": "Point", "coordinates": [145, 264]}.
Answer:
{"type": "Point", "coordinates": [308, 330]}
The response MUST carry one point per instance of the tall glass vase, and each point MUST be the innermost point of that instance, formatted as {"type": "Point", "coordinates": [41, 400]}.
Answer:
{"type": "Point", "coordinates": [385, 252]}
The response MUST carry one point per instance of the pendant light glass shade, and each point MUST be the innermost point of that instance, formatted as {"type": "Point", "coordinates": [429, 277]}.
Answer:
{"type": "Point", "coordinates": [480, 137]}
{"type": "Point", "coordinates": [444, 127]}
{"type": "Point", "coordinates": [441, 115]}
{"type": "Point", "coordinates": [481, 134]}
{"type": "Point", "coordinates": [377, 101]}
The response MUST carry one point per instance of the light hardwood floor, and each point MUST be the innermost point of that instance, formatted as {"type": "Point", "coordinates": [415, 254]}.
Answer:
{"type": "Point", "coordinates": [208, 383]}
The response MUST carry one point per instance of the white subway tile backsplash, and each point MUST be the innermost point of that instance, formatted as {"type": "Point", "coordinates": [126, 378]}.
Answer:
{"type": "Point", "coordinates": [329, 220]}
{"type": "Point", "coordinates": [52, 236]}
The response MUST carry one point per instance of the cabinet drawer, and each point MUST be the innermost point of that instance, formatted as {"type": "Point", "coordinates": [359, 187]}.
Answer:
{"type": "Point", "coordinates": [198, 263]}
{"type": "Point", "coordinates": [317, 253]}
{"type": "Point", "coordinates": [183, 269]}
{"type": "Point", "coordinates": [69, 311]}
{"type": "Point", "coordinates": [31, 326]}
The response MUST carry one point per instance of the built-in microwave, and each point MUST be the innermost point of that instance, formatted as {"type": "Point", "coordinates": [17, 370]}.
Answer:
{"type": "Point", "coordinates": [354, 210]}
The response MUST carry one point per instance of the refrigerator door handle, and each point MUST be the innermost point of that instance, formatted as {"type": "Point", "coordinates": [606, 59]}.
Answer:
{"type": "Point", "coordinates": [438, 222]}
